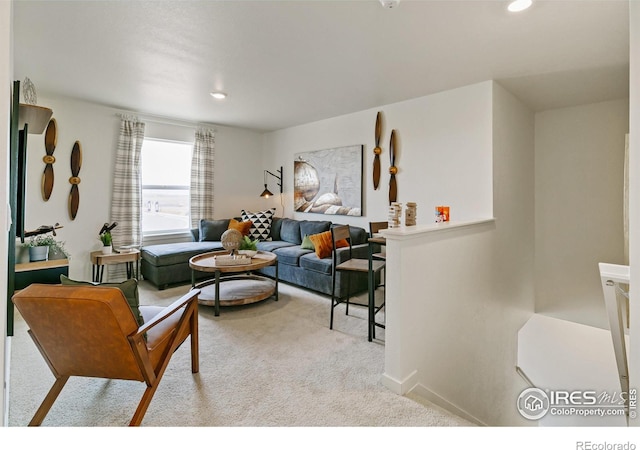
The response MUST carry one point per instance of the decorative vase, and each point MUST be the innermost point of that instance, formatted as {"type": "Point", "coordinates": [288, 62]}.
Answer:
{"type": "Point", "coordinates": [40, 253]}
{"type": "Point", "coordinates": [107, 250]}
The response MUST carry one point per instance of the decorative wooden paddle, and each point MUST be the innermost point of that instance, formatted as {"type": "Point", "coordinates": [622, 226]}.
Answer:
{"type": "Point", "coordinates": [377, 151]}
{"type": "Point", "coordinates": [393, 170]}
{"type": "Point", "coordinates": [74, 195]}
{"type": "Point", "coordinates": [50, 141]}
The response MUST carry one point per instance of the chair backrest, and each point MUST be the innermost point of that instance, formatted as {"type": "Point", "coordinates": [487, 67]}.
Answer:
{"type": "Point", "coordinates": [338, 233]}
{"type": "Point", "coordinates": [81, 330]}
{"type": "Point", "coordinates": [375, 227]}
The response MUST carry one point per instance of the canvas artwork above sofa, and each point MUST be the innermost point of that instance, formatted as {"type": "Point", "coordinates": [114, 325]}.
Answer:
{"type": "Point", "coordinates": [299, 262]}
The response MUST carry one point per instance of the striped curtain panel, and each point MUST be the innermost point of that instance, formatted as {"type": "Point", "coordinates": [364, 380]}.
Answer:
{"type": "Point", "coordinates": [126, 200]}
{"type": "Point", "coordinates": [202, 176]}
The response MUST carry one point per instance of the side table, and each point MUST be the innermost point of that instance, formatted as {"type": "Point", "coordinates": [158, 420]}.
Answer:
{"type": "Point", "coordinates": [99, 260]}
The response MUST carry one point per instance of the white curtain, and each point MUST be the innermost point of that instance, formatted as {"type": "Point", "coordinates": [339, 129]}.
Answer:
{"type": "Point", "coordinates": [202, 176]}
{"type": "Point", "coordinates": [126, 200]}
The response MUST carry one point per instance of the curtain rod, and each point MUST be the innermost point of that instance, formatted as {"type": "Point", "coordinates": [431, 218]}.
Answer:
{"type": "Point", "coordinates": [166, 120]}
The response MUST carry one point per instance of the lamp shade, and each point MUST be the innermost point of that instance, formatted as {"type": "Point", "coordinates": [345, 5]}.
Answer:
{"type": "Point", "coordinates": [266, 193]}
{"type": "Point", "coordinates": [36, 116]}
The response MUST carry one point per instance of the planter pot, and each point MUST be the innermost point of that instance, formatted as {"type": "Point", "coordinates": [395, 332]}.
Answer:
{"type": "Point", "coordinates": [38, 253]}
{"type": "Point", "coordinates": [107, 250]}
{"type": "Point", "coordinates": [56, 254]}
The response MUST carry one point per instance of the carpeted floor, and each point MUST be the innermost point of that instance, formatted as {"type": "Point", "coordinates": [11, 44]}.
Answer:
{"type": "Point", "coordinates": [266, 364]}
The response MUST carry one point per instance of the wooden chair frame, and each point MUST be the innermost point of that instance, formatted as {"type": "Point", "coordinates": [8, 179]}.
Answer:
{"type": "Point", "coordinates": [186, 325]}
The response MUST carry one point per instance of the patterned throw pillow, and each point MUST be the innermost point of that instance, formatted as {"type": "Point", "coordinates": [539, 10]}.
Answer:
{"type": "Point", "coordinates": [243, 227]}
{"type": "Point", "coordinates": [323, 244]}
{"type": "Point", "coordinates": [260, 223]}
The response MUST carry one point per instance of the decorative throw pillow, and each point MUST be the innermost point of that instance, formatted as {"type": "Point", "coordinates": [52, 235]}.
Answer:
{"type": "Point", "coordinates": [323, 244]}
{"type": "Point", "coordinates": [306, 243]}
{"type": "Point", "coordinates": [128, 287]}
{"type": "Point", "coordinates": [243, 227]}
{"type": "Point", "coordinates": [211, 230]}
{"type": "Point", "coordinates": [260, 223]}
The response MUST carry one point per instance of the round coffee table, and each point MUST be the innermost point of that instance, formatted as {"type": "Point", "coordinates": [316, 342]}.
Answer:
{"type": "Point", "coordinates": [240, 289]}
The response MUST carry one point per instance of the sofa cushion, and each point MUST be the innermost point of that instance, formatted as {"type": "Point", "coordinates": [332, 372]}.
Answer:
{"type": "Point", "coordinates": [310, 227]}
{"type": "Point", "coordinates": [242, 227]}
{"type": "Point", "coordinates": [176, 253]}
{"type": "Point", "coordinates": [270, 246]}
{"type": "Point", "coordinates": [290, 231]}
{"type": "Point", "coordinates": [261, 223]}
{"type": "Point", "coordinates": [128, 287]}
{"type": "Point", "coordinates": [276, 225]}
{"type": "Point", "coordinates": [312, 263]}
{"type": "Point", "coordinates": [290, 255]}
{"type": "Point", "coordinates": [211, 230]}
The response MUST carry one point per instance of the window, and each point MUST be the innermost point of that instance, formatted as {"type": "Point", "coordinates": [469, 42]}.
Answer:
{"type": "Point", "coordinates": [166, 174]}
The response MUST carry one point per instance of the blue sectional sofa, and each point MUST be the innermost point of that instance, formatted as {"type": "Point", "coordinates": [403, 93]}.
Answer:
{"type": "Point", "coordinates": [168, 264]}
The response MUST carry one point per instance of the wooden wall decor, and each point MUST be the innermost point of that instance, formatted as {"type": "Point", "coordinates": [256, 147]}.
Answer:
{"type": "Point", "coordinates": [376, 151]}
{"type": "Point", "coordinates": [393, 170]}
{"type": "Point", "coordinates": [50, 141]}
{"type": "Point", "coordinates": [74, 195]}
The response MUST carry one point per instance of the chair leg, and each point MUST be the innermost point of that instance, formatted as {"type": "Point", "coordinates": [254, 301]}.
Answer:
{"type": "Point", "coordinates": [348, 275]}
{"type": "Point", "coordinates": [144, 404]}
{"type": "Point", "coordinates": [333, 296]}
{"type": "Point", "coordinates": [195, 352]}
{"type": "Point", "coordinates": [48, 401]}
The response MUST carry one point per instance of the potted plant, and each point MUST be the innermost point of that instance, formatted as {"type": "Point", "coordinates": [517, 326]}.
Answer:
{"type": "Point", "coordinates": [44, 246]}
{"type": "Point", "coordinates": [105, 237]}
{"type": "Point", "coordinates": [248, 247]}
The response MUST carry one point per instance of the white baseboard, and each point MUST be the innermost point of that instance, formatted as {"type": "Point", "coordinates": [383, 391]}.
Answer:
{"type": "Point", "coordinates": [400, 387]}
{"type": "Point", "coordinates": [434, 398]}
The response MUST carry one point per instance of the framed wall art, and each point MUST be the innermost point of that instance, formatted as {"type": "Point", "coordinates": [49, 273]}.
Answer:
{"type": "Point", "coordinates": [329, 181]}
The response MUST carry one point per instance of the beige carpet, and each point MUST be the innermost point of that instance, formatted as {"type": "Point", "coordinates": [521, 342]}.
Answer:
{"type": "Point", "coordinates": [267, 364]}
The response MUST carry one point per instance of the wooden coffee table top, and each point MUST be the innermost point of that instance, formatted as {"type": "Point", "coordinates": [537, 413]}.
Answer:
{"type": "Point", "coordinates": [206, 262]}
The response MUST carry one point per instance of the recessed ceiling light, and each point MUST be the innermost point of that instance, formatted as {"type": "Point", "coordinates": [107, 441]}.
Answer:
{"type": "Point", "coordinates": [519, 5]}
{"type": "Point", "coordinates": [219, 95]}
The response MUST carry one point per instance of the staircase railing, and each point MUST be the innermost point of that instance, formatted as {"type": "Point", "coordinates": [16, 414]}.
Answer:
{"type": "Point", "coordinates": [615, 284]}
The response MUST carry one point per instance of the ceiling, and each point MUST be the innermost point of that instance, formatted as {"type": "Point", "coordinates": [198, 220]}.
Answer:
{"type": "Point", "coordinates": [285, 63]}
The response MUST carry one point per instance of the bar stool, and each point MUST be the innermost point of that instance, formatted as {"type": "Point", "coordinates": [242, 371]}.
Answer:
{"type": "Point", "coordinates": [348, 265]}
{"type": "Point", "coordinates": [374, 228]}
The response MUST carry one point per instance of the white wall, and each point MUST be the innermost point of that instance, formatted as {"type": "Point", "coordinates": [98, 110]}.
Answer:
{"type": "Point", "coordinates": [453, 319]}
{"type": "Point", "coordinates": [97, 129]}
{"type": "Point", "coordinates": [466, 301]}
{"type": "Point", "coordinates": [634, 196]}
{"type": "Point", "coordinates": [6, 88]}
{"type": "Point", "coordinates": [579, 167]}
{"type": "Point", "coordinates": [444, 154]}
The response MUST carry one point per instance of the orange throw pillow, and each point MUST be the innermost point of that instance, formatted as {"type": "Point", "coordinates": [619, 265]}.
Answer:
{"type": "Point", "coordinates": [242, 227]}
{"type": "Point", "coordinates": [324, 245]}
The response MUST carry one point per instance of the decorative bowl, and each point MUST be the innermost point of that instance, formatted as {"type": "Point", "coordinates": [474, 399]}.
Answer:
{"type": "Point", "coordinates": [249, 253]}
